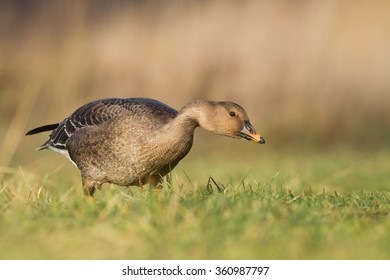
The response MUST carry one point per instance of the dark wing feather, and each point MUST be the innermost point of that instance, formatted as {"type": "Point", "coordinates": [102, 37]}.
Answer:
{"type": "Point", "coordinates": [97, 112]}
{"type": "Point", "coordinates": [44, 128]}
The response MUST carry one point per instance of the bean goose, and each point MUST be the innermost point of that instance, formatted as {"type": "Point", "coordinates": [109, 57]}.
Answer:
{"type": "Point", "coordinates": [136, 141]}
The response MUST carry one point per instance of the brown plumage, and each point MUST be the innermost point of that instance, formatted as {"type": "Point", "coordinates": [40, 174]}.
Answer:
{"type": "Point", "coordinates": [136, 141]}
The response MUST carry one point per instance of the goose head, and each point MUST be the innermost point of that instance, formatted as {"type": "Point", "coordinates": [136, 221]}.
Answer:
{"type": "Point", "coordinates": [224, 118]}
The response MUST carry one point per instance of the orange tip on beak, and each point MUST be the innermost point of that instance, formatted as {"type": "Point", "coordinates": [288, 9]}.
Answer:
{"type": "Point", "coordinates": [250, 134]}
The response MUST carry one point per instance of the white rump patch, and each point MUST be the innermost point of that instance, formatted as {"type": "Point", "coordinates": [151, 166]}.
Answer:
{"type": "Point", "coordinates": [62, 152]}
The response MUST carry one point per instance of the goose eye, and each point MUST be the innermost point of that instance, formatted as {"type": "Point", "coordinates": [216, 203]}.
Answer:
{"type": "Point", "coordinates": [232, 114]}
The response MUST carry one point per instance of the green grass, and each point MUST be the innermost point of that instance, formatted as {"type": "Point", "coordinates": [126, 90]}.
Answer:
{"type": "Point", "coordinates": [277, 206]}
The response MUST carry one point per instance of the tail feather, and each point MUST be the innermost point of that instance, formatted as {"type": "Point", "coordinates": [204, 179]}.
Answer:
{"type": "Point", "coordinates": [44, 128]}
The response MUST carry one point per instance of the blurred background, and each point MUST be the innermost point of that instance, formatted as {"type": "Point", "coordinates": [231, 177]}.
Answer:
{"type": "Point", "coordinates": [309, 73]}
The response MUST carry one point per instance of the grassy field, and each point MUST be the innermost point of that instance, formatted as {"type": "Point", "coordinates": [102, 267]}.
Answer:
{"type": "Point", "coordinates": [290, 206]}
{"type": "Point", "coordinates": [312, 75]}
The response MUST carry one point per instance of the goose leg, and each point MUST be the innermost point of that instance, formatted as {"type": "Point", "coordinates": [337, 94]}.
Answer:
{"type": "Point", "coordinates": [141, 185]}
{"type": "Point", "coordinates": [155, 182]}
{"type": "Point", "coordinates": [90, 187]}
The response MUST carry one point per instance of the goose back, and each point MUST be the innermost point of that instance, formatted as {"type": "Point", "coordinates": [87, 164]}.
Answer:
{"type": "Point", "coordinates": [100, 111]}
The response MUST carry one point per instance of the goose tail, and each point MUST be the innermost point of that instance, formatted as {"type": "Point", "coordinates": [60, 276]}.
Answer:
{"type": "Point", "coordinates": [48, 127]}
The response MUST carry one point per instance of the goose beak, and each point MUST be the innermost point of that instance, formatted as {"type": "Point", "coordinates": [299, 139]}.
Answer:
{"type": "Point", "coordinates": [250, 134]}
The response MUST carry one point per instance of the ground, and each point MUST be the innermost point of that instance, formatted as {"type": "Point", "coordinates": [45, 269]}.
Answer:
{"type": "Point", "coordinates": [310, 205]}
